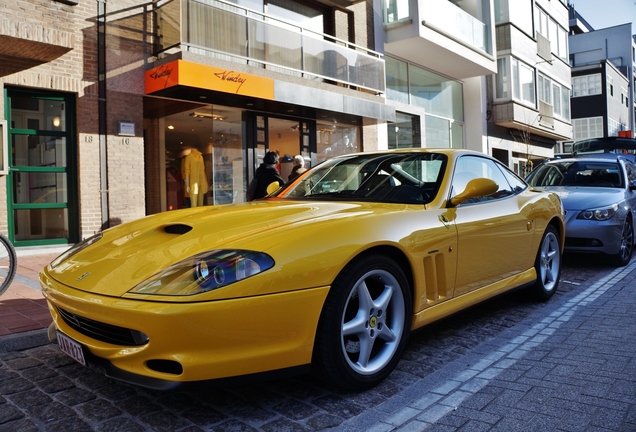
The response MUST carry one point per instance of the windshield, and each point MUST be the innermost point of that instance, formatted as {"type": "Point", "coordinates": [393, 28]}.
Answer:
{"type": "Point", "coordinates": [577, 173]}
{"type": "Point", "coordinates": [410, 178]}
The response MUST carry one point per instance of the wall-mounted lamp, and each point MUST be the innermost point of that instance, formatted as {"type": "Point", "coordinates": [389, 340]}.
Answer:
{"type": "Point", "coordinates": [56, 121]}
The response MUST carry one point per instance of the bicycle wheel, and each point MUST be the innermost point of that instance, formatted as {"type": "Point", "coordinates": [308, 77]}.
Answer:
{"type": "Point", "coordinates": [8, 263]}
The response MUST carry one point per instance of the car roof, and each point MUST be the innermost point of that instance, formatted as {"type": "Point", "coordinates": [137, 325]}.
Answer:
{"type": "Point", "coordinates": [595, 156]}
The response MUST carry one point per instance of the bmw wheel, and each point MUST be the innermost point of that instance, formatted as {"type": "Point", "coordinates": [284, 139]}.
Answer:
{"type": "Point", "coordinates": [365, 323]}
{"type": "Point", "coordinates": [548, 264]}
{"type": "Point", "coordinates": [624, 255]}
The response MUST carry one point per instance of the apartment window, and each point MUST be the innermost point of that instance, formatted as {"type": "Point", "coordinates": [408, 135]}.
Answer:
{"type": "Point", "coordinates": [586, 85]}
{"type": "Point", "coordinates": [443, 133]}
{"type": "Point", "coordinates": [436, 94]}
{"type": "Point", "coordinates": [523, 82]}
{"type": "Point", "coordinates": [549, 28]}
{"type": "Point", "coordinates": [502, 80]}
{"type": "Point", "coordinates": [613, 127]}
{"type": "Point", "coordinates": [556, 97]}
{"type": "Point", "coordinates": [397, 80]}
{"type": "Point", "coordinates": [562, 45]}
{"type": "Point", "coordinates": [591, 127]}
{"type": "Point", "coordinates": [565, 103]}
{"type": "Point", "coordinates": [541, 22]}
{"type": "Point", "coordinates": [545, 89]}
{"type": "Point", "coordinates": [520, 14]}
{"type": "Point", "coordinates": [610, 86]}
{"type": "Point", "coordinates": [405, 132]}
{"type": "Point", "coordinates": [407, 83]}
{"type": "Point", "coordinates": [396, 10]}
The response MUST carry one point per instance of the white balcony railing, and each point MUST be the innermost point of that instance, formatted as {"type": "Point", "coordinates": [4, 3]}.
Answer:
{"type": "Point", "coordinates": [215, 26]}
{"type": "Point", "coordinates": [444, 16]}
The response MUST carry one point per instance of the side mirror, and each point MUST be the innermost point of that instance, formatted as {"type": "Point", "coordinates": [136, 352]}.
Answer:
{"type": "Point", "coordinates": [475, 188]}
{"type": "Point", "coordinates": [273, 187]}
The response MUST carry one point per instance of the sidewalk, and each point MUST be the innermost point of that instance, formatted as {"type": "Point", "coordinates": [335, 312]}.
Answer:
{"type": "Point", "coordinates": [22, 307]}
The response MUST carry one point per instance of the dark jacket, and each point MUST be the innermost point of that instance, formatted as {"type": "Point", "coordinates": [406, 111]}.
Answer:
{"type": "Point", "coordinates": [266, 174]}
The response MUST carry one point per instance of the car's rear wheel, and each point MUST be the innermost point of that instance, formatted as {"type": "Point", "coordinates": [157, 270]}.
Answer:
{"type": "Point", "coordinates": [624, 255]}
{"type": "Point", "coordinates": [365, 323]}
{"type": "Point", "coordinates": [548, 264]}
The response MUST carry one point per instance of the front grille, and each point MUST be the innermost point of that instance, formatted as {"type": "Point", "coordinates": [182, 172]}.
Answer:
{"type": "Point", "coordinates": [103, 332]}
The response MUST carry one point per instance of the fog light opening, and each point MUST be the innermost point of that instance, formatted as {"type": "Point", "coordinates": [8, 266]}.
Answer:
{"type": "Point", "coordinates": [165, 366]}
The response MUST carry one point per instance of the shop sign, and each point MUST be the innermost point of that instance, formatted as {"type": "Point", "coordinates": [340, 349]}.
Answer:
{"type": "Point", "coordinates": [184, 73]}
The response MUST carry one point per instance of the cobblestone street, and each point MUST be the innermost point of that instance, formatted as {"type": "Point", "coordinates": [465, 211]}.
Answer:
{"type": "Point", "coordinates": [43, 389]}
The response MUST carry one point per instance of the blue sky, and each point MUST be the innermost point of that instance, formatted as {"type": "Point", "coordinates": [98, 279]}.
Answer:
{"type": "Point", "coordinates": [607, 13]}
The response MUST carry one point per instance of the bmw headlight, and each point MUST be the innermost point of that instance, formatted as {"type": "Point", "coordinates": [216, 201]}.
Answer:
{"type": "Point", "coordinates": [599, 214]}
{"type": "Point", "coordinates": [75, 249]}
{"type": "Point", "coordinates": [205, 272]}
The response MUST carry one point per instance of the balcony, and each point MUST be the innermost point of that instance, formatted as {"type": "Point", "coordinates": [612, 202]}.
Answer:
{"type": "Point", "coordinates": [442, 36]}
{"type": "Point", "coordinates": [224, 30]}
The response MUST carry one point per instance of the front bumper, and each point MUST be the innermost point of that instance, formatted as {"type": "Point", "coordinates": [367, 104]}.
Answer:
{"type": "Point", "coordinates": [209, 340]}
{"type": "Point", "coordinates": [593, 236]}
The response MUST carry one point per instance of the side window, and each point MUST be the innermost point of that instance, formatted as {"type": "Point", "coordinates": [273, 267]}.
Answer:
{"type": "Point", "coordinates": [517, 185]}
{"type": "Point", "coordinates": [472, 167]}
{"type": "Point", "coordinates": [631, 173]}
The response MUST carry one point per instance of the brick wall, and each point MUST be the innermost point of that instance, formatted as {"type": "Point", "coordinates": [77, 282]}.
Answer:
{"type": "Point", "coordinates": [56, 49]}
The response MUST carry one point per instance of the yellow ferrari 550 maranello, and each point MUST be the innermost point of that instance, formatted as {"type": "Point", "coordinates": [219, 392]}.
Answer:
{"type": "Point", "coordinates": [330, 272]}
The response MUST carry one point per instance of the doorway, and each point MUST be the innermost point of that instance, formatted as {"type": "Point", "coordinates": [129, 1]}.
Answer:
{"type": "Point", "coordinates": [40, 193]}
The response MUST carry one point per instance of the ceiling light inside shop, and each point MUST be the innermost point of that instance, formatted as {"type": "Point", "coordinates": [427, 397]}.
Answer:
{"type": "Point", "coordinates": [207, 115]}
{"type": "Point", "coordinates": [170, 127]}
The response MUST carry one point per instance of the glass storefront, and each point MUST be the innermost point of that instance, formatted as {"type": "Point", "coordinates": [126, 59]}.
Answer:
{"type": "Point", "coordinates": [225, 136]}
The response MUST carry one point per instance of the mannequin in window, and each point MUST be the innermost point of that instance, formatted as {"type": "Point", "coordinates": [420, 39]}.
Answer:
{"type": "Point", "coordinates": [196, 183]}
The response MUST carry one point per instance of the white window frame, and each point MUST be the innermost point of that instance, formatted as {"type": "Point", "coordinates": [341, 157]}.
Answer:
{"type": "Point", "coordinates": [584, 128]}
{"type": "Point", "coordinates": [518, 87]}
{"type": "Point", "coordinates": [586, 85]}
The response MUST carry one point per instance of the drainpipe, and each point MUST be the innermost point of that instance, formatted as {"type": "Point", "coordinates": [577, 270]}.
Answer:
{"type": "Point", "coordinates": [101, 111]}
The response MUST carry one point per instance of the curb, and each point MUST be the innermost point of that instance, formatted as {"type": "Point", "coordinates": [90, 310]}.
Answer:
{"type": "Point", "coordinates": [24, 340]}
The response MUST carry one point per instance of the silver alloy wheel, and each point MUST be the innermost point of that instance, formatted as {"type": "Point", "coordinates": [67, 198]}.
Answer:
{"type": "Point", "coordinates": [372, 322]}
{"type": "Point", "coordinates": [627, 241]}
{"type": "Point", "coordinates": [549, 261]}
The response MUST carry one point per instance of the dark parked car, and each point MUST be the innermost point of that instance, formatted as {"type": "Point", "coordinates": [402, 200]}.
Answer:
{"type": "Point", "coordinates": [599, 196]}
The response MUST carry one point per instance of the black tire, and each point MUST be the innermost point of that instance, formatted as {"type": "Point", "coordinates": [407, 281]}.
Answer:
{"type": "Point", "coordinates": [8, 263]}
{"type": "Point", "coordinates": [358, 344]}
{"type": "Point", "coordinates": [624, 255]}
{"type": "Point", "coordinates": [548, 264]}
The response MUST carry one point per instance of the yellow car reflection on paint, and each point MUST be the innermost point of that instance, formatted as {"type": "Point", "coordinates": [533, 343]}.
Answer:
{"type": "Point", "coordinates": [330, 272]}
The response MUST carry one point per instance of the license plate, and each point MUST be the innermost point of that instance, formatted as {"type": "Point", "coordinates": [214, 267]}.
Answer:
{"type": "Point", "coordinates": [71, 348]}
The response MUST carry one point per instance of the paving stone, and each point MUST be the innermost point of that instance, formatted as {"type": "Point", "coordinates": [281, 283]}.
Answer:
{"type": "Point", "coordinates": [30, 398]}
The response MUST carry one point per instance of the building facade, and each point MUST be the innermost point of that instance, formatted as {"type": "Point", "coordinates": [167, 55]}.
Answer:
{"type": "Point", "coordinates": [603, 63]}
{"type": "Point", "coordinates": [528, 106]}
{"type": "Point", "coordinates": [103, 102]}
{"type": "Point", "coordinates": [437, 55]}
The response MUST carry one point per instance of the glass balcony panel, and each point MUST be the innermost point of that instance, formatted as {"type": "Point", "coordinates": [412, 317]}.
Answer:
{"type": "Point", "coordinates": [211, 26]}
{"type": "Point", "coordinates": [453, 20]}
{"type": "Point", "coordinates": [276, 45]}
{"type": "Point", "coordinates": [216, 28]}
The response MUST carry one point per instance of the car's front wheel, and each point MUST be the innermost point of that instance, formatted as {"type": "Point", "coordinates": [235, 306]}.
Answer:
{"type": "Point", "coordinates": [365, 323]}
{"type": "Point", "coordinates": [624, 255]}
{"type": "Point", "coordinates": [548, 264]}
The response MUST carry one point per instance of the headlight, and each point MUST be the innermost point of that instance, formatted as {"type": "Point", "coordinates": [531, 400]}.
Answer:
{"type": "Point", "coordinates": [600, 214]}
{"type": "Point", "coordinates": [205, 272]}
{"type": "Point", "coordinates": [75, 249]}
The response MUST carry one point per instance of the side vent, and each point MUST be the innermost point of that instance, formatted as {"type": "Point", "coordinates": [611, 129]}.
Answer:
{"type": "Point", "coordinates": [435, 278]}
{"type": "Point", "coordinates": [177, 229]}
